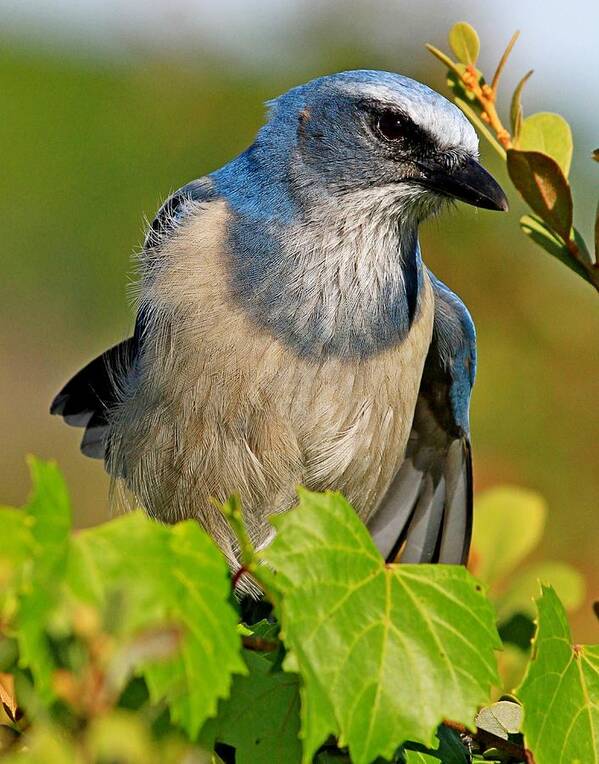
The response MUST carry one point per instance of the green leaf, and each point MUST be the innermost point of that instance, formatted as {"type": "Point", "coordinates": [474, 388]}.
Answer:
{"type": "Point", "coordinates": [560, 692]}
{"type": "Point", "coordinates": [516, 107]}
{"type": "Point", "coordinates": [174, 574]}
{"type": "Point", "coordinates": [420, 651]}
{"type": "Point", "coordinates": [503, 718]}
{"type": "Point", "coordinates": [543, 186]}
{"type": "Point", "coordinates": [582, 247]}
{"type": "Point", "coordinates": [548, 134]}
{"type": "Point", "coordinates": [119, 737]}
{"type": "Point", "coordinates": [261, 719]}
{"type": "Point", "coordinates": [542, 235]}
{"type": "Point", "coordinates": [17, 545]}
{"type": "Point", "coordinates": [464, 42]}
{"type": "Point", "coordinates": [453, 67]}
{"type": "Point", "coordinates": [519, 598]}
{"type": "Point", "coordinates": [508, 525]}
{"type": "Point", "coordinates": [43, 745]}
{"type": "Point", "coordinates": [597, 235]}
{"type": "Point", "coordinates": [450, 750]}
{"type": "Point", "coordinates": [48, 515]}
{"type": "Point", "coordinates": [459, 89]}
{"type": "Point", "coordinates": [480, 125]}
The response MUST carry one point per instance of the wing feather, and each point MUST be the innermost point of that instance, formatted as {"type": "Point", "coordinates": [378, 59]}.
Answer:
{"type": "Point", "coordinates": [426, 515]}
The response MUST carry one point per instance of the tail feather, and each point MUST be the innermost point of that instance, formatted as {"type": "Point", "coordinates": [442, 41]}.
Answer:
{"type": "Point", "coordinates": [86, 400]}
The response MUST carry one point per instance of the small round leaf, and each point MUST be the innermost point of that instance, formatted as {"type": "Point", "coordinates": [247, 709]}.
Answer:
{"type": "Point", "coordinates": [549, 134]}
{"type": "Point", "coordinates": [508, 525]}
{"type": "Point", "coordinates": [464, 42]}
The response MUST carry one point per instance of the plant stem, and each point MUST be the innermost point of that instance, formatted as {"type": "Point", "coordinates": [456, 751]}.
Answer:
{"type": "Point", "coordinates": [485, 95]}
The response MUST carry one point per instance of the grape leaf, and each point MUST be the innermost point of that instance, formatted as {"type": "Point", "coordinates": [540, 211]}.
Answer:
{"type": "Point", "coordinates": [261, 718]}
{"type": "Point", "coordinates": [385, 652]}
{"type": "Point", "coordinates": [48, 515]}
{"type": "Point", "coordinates": [560, 691]}
{"type": "Point", "coordinates": [17, 545]}
{"type": "Point", "coordinates": [173, 573]}
{"type": "Point", "coordinates": [450, 751]}
{"type": "Point", "coordinates": [508, 525]}
{"type": "Point", "coordinates": [420, 757]}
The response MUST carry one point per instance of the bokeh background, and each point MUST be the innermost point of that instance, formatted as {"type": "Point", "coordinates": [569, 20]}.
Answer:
{"type": "Point", "coordinates": [107, 107]}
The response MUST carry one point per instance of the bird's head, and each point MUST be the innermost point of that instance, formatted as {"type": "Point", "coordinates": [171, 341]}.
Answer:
{"type": "Point", "coordinates": [360, 130]}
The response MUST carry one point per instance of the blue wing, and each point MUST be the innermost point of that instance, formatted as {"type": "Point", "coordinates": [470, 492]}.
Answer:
{"type": "Point", "coordinates": [426, 516]}
{"type": "Point", "coordinates": [87, 399]}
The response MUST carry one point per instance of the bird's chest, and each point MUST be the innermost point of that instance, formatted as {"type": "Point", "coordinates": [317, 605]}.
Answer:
{"type": "Point", "coordinates": [353, 419]}
{"type": "Point", "coordinates": [227, 403]}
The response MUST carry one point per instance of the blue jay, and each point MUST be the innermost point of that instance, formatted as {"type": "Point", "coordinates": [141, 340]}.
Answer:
{"type": "Point", "coordinates": [289, 333]}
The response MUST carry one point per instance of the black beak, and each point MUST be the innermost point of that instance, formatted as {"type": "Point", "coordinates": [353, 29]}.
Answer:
{"type": "Point", "coordinates": [469, 182]}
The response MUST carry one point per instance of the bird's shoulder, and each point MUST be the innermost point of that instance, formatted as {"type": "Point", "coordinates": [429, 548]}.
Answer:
{"type": "Point", "coordinates": [177, 208]}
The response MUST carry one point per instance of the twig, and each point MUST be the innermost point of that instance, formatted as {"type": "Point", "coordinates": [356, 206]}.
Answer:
{"type": "Point", "coordinates": [489, 740]}
{"type": "Point", "coordinates": [485, 95]}
{"type": "Point", "coordinates": [259, 644]}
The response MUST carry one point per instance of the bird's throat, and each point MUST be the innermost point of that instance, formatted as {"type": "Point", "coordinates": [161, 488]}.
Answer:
{"type": "Point", "coordinates": [345, 283]}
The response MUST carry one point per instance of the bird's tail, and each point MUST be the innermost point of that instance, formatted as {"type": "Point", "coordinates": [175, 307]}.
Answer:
{"type": "Point", "coordinates": [87, 399]}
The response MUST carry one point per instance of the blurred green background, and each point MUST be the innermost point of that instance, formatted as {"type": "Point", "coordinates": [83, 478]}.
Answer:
{"type": "Point", "coordinates": [105, 110]}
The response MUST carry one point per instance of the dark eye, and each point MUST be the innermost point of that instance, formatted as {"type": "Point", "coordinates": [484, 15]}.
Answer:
{"type": "Point", "coordinates": [391, 125]}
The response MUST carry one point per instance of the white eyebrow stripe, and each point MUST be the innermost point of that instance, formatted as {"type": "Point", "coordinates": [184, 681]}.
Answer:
{"type": "Point", "coordinates": [427, 109]}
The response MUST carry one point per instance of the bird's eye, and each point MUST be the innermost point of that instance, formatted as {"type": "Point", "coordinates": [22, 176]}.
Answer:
{"type": "Point", "coordinates": [391, 125]}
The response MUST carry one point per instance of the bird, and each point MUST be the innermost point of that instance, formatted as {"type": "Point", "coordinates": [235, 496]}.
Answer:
{"type": "Point", "coordinates": [289, 333]}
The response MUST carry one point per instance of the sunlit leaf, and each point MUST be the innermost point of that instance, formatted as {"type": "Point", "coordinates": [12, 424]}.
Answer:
{"type": "Point", "coordinates": [543, 186]}
{"type": "Point", "coordinates": [172, 574]}
{"type": "Point", "coordinates": [519, 598]}
{"type": "Point", "coordinates": [16, 547]}
{"type": "Point", "coordinates": [464, 42]}
{"type": "Point", "coordinates": [48, 515]}
{"type": "Point", "coordinates": [549, 134]}
{"type": "Point", "coordinates": [542, 235]}
{"type": "Point", "coordinates": [516, 107]}
{"type": "Point", "coordinates": [420, 651]}
{"type": "Point", "coordinates": [508, 525]}
{"type": "Point", "coordinates": [560, 692]}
